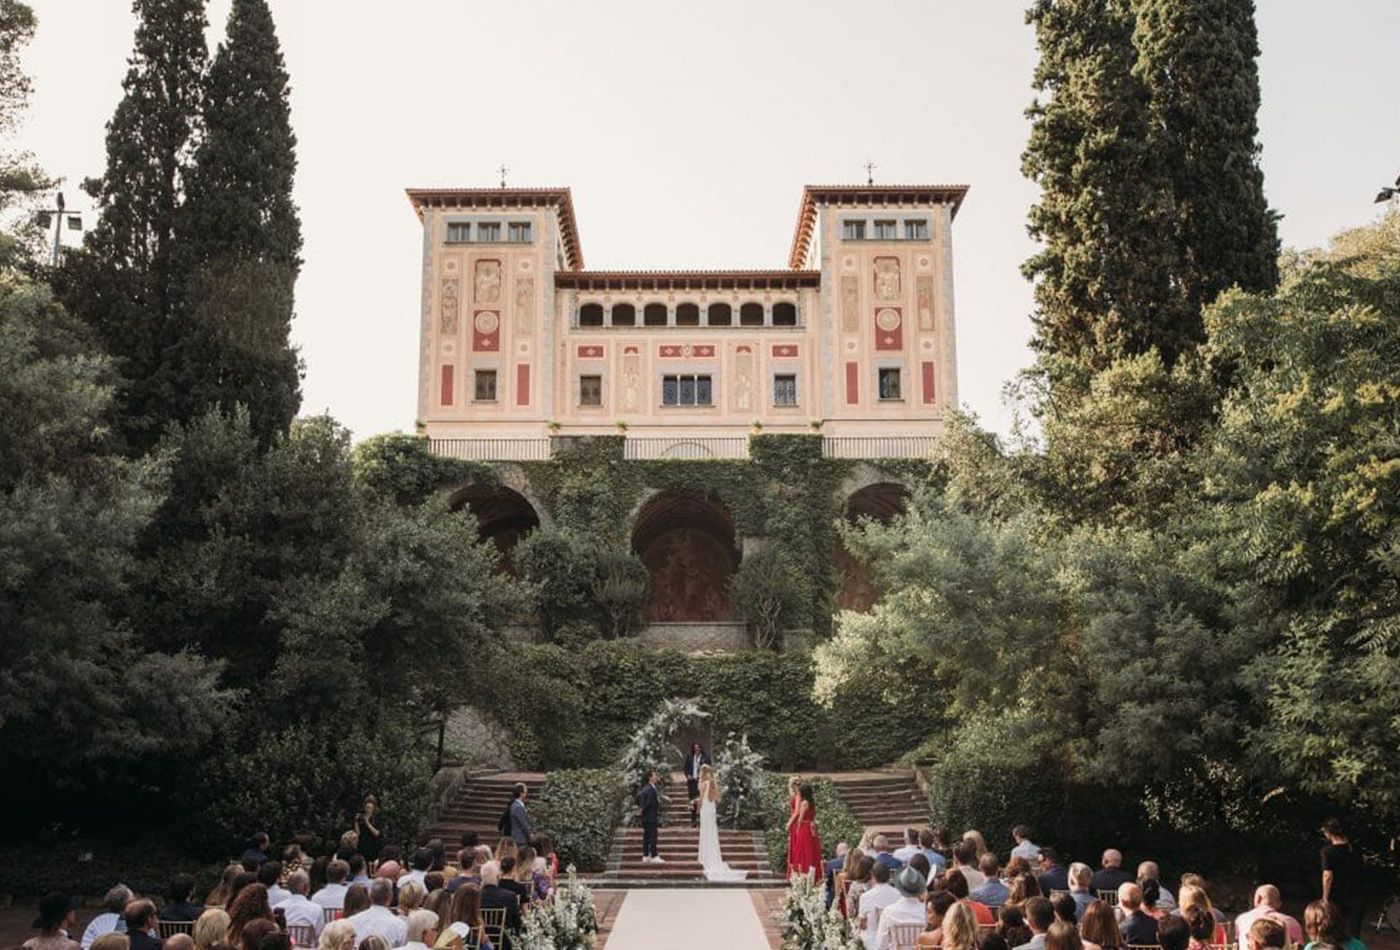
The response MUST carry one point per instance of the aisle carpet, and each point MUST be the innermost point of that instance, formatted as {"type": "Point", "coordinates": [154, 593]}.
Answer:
{"type": "Point", "coordinates": [719, 919]}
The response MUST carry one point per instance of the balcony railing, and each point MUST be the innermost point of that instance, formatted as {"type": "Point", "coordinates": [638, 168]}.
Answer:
{"type": "Point", "coordinates": [488, 449]}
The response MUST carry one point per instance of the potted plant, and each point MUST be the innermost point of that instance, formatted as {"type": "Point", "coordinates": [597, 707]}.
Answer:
{"type": "Point", "coordinates": [553, 425]}
{"type": "Point", "coordinates": [621, 425]}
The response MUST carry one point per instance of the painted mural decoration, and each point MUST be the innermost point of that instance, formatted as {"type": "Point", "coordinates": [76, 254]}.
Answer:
{"type": "Point", "coordinates": [631, 377]}
{"type": "Point", "coordinates": [524, 305]}
{"type": "Point", "coordinates": [487, 282]}
{"type": "Point", "coordinates": [783, 351]}
{"type": "Point", "coordinates": [923, 300]}
{"type": "Point", "coordinates": [743, 379]}
{"type": "Point", "coordinates": [886, 278]}
{"type": "Point", "coordinates": [850, 305]}
{"type": "Point", "coordinates": [889, 329]}
{"type": "Point", "coordinates": [686, 351]}
{"type": "Point", "coordinates": [486, 331]}
{"type": "Point", "coordinates": [450, 306]}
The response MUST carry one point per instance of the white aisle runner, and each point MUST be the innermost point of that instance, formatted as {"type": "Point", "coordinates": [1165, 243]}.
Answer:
{"type": "Point", "coordinates": [699, 918]}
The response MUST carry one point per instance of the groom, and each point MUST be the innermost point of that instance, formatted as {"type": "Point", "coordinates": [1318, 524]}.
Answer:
{"type": "Point", "coordinates": [649, 800]}
{"type": "Point", "coordinates": [693, 762]}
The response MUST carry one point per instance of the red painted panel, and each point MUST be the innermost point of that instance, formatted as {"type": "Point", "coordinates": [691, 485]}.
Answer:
{"type": "Point", "coordinates": [889, 328]}
{"type": "Point", "coordinates": [782, 350]}
{"type": "Point", "coordinates": [447, 379]}
{"type": "Point", "coordinates": [927, 368]}
{"type": "Point", "coordinates": [486, 331]}
{"type": "Point", "coordinates": [591, 352]}
{"type": "Point", "coordinates": [852, 383]}
{"type": "Point", "coordinates": [522, 384]}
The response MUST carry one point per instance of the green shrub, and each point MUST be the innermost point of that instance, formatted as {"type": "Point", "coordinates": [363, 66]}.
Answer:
{"type": "Point", "coordinates": [578, 809]}
{"type": "Point", "coordinates": [835, 820]}
{"type": "Point", "coordinates": [772, 593]}
{"type": "Point", "coordinates": [89, 867]}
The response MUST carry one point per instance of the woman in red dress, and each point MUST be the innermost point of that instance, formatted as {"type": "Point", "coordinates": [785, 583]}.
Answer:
{"type": "Point", "coordinates": [794, 799]}
{"type": "Point", "coordinates": [804, 844]}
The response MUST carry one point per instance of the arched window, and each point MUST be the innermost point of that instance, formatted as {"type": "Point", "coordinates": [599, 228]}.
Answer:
{"type": "Point", "coordinates": [654, 315]}
{"type": "Point", "coordinates": [720, 315]}
{"type": "Point", "coordinates": [624, 315]}
{"type": "Point", "coordinates": [784, 314]}
{"type": "Point", "coordinates": [687, 315]}
{"type": "Point", "coordinates": [590, 315]}
{"type": "Point", "coordinates": [751, 315]}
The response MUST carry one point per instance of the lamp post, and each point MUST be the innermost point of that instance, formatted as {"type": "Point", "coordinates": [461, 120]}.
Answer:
{"type": "Point", "coordinates": [56, 213]}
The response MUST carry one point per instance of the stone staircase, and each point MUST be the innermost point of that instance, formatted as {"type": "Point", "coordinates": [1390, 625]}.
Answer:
{"type": "Point", "coordinates": [678, 843]}
{"type": "Point", "coordinates": [887, 801]}
{"type": "Point", "coordinates": [477, 806]}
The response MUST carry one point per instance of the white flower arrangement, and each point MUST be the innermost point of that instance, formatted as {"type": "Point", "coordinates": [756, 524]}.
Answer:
{"type": "Point", "coordinates": [806, 923]}
{"type": "Point", "coordinates": [741, 778]}
{"type": "Point", "coordinates": [568, 920]}
{"type": "Point", "coordinates": [652, 748]}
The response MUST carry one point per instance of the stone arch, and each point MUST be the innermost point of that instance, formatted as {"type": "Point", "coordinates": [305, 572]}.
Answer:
{"type": "Point", "coordinates": [881, 501]}
{"type": "Point", "coordinates": [503, 516]}
{"type": "Point", "coordinates": [751, 314]}
{"type": "Point", "coordinates": [719, 314]}
{"type": "Point", "coordinates": [784, 314]}
{"type": "Point", "coordinates": [686, 539]}
{"type": "Point", "coordinates": [590, 315]}
{"type": "Point", "coordinates": [624, 315]}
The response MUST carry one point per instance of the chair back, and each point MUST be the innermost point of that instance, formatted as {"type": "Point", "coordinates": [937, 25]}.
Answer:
{"type": "Point", "coordinates": [303, 935]}
{"type": "Point", "coordinates": [494, 923]}
{"type": "Point", "coordinates": [169, 928]}
{"type": "Point", "coordinates": [1109, 897]}
{"type": "Point", "coordinates": [1142, 946]}
{"type": "Point", "coordinates": [331, 913]}
{"type": "Point", "coordinates": [904, 936]}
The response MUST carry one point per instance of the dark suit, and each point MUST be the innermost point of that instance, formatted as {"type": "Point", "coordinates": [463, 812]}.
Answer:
{"type": "Point", "coordinates": [493, 895]}
{"type": "Point", "coordinates": [833, 868]}
{"type": "Point", "coordinates": [141, 940]}
{"type": "Point", "coordinates": [1139, 928]}
{"type": "Point", "coordinates": [181, 910]}
{"type": "Point", "coordinates": [1109, 879]}
{"type": "Point", "coordinates": [692, 781]}
{"type": "Point", "coordinates": [519, 889]}
{"type": "Point", "coordinates": [650, 801]}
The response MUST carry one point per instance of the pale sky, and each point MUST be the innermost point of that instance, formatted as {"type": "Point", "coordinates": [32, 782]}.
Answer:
{"type": "Point", "coordinates": [686, 131]}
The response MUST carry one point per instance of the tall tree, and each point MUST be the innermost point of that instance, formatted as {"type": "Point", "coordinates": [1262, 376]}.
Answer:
{"type": "Point", "coordinates": [239, 232]}
{"type": "Point", "coordinates": [1198, 60]}
{"type": "Point", "coordinates": [126, 283]}
{"type": "Point", "coordinates": [1103, 280]}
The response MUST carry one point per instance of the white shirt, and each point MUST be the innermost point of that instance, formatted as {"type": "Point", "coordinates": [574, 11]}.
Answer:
{"type": "Point", "coordinates": [877, 898]}
{"type": "Point", "coordinates": [975, 878]}
{"type": "Point", "coordinates": [415, 945]}
{"type": "Point", "coordinates": [331, 897]}
{"type": "Point", "coordinates": [302, 912]}
{"type": "Point", "coordinates": [276, 894]}
{"type": "Point", "coordinates": [102, 924]}
{"type": "Point", "coordinates": [902, 855]}
{"type": "Point", "coordinates": [1028, 850]}
{"type": "Point", "coordinates": [906, 910]}
{"type": "Point", "coordinates": [382, 921]}
{"type": "Point", "coordinates": [418, 876]}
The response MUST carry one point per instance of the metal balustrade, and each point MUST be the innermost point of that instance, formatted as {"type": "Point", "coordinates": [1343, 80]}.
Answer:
{"type": "Point", "coordinates": [877, 446]}
{"type": "Point", "coordinates": [700, 447]}
{"type": "Point", "coordinates": [487, 449]}
{"type": "Point", "coordinates": [492, 450]}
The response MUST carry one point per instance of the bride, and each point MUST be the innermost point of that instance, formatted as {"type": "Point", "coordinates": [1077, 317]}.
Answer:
{"type": "Point", "coordinates": [710, 857]}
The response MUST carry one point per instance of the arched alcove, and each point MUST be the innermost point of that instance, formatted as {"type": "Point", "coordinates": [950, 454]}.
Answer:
{"type": "Point", "coordinates": [503, 517]}
{"type": "Point", "coordinates": [686, 540]}
{"type": "Point", "coordinates": [879, 501]}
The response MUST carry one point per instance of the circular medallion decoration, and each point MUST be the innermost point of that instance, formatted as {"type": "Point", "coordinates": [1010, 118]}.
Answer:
{"type": "Point", "coordinates": [927, 346]}
{"type": "Point", "coordinates": [524, 347]}
{"type": "Point", "coordinates": [848, 263]}
{"type": "Point", "coordinates": [448, 348]}
{"type": "Point", "coordinates": [887, 319]}
{"type": "Point", "coordinates": [449, 265]}
{"type": "Point", "coordinates": [925, 263]}
{"type": "Point", "coordinates": [524, 263]}
{"type": "Point", "coordinates": [851, 345]}
{"type": "Point", "coordinates": [487, 322]}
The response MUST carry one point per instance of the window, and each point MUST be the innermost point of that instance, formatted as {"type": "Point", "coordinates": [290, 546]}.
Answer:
{"type": "Point", "coordinates": [889, 384]}
{"type": "Point", "coordinates": [885, 231]}
{"type": "Point", "coordinates": [688, 315]}
{"type": "Point", "coordinates": [719, 315]}
{"type": "Point", "coordinates": [751, 315]}
{"type": "Point", "coordinates": [624, 315]}
{"type": "Point", "coordinates": [916, 229]}
{"type": "Point", "coordinates": [785, 390]}
{"type": "Point", "coordinates": [518, 232]}
{"type": "Point", "coordinates": [853, 230]}
{"type": "Point", "coordinates": [488, 231]}
{"type": "Point", "coordinates": [784, 314]}
{"type": "Point", "coordinates": [654, 315]}
{"type": "Point", "coordinates": [458, 232]}
{"type": "Point", "coordinates": [590, 315]}
{"type": "Point", "coordinates": [590, 390]}
{"type": "Point", "coordinates": [485, 385]}
{"type": "Point", "coordinates": [685, 390]}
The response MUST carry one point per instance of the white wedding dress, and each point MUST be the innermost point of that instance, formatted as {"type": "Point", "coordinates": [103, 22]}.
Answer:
{"type": "Point", "coordinates": [710, 857]}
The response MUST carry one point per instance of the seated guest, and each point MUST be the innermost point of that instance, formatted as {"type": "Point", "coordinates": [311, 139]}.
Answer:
{"type": "Point", "coordinates": [1053, 876]}
{"type": "Point", "coordinates": [349, 844]}
{"type": "Point", "coordinates": [356, 900]}
{"type": "Point", "coordinates": [378, 919]}
{"type": "Point", "coordinates": [1173, 933]}
{"type": "Point", "coordinates": [470, 872]}
{"type": "Point", "coordinates": [1011, 925]}
{"type": "Point", "coordinates": [494, 895]}
{"type": "Point", "coordinates": [872, 903]}
{"type": "Point", "coordinates": [883, 853]}
{"type": "Point", "coordinates": [936, 908]}
{"type": "Point", "coordinates": [177, 900]}
{"type": "Point", "coordinates": [991, 940]}
{"type": "Point", "coordinates": [937, 862]}
{"type": "Point", "coordinates": [250, 905]}
{"type": "Point", "coordinates": [332, 896]}
{"type": "Point", "coordinates": [510, 880]}
{"type": "Point", "coordinates": [112, 941]}
{"type": "Point", "coordinates": [1040, 915]}
{"type": "Point", "coordinates": [1148, 871]}
{"type": "Point", "coordinates": [1065, 908]}
{"type": "Point", "coordinates": [965, 860]}
{"type": "Point", "coordinates": [256, 853]}
{"type": "Point", "coordinates": [1098, 928]}
{"type": "Point", "coordinates": [1199, 883]}
{"type": "Point", "coordinates": [1268, 904]}
{"type": "Point", "coordinates": [440, 903]}
{"type": "Point", "coordinates": [1023, 888]}
{"type": "Point", "coordinates": [411, 897]}
{"type": "Point", "coordinates": [434, 880]}
{"type": "Point", "coordinates": [1025, 847]}
{"type": "Point", "coordinates": [1081, 878]}
{"type": "Point", "coordinates": [422, 930]}
{"type": "Point", "coordinates": [374, 942]}
{"type": "Point", "coordinates": [920, 863]}
{"type": "Point", "coordinates": [1138, 926]}
{"type": "Point", "coordinates": [993, 891]}
{"type": "Point", "coordinates": [470, 840]}
{"type": "Point", "coordinates": [256, 933]}
{"type": "Point", "coordinates": [295, 858]}
{"type": "Point", "coordinates": [532, 875]}
{"type": "Point", "coordinates": [955, 883]}
{"type": "Point", "coordinates": [338, 935]}
{"type": "Point", "coordinates": [110, 920]}
{"type": "Point", "coordinates": [270, 877]}
{"type": "Point", "coordinates": [297, 909]}
{"type": "Point", "coordinates": [831, 869]}
{"type": "Point", "coordinates": [422, 862]}
{"type": "Point", "coordinates": [243, 879]}
{"type": "Point", "coordinates": [959, 929]}
{"type": "Point", "coordinates": [908, 909]}
{"type": "Point", "coordinates": [140, 917]}
{"type": "Point", "coordinates": [1193, 896]}
{"type": "Point", "coordinates": [1015, 868]}
{"type": "Point", "coordinates": [943, 843]}
{"type": "Point", "coordinates": [391, 852]}
{"type": "Point", "coordinates": [910, 847]}
{"type": "Point", "coordinates": [1063, 935]}
{"type": "Point", "coordinates": [179, 941]}
{"type": "Point", "coordinates": [1151, 899]}
{"type": "Point", "coordinates": [437, 853]}
{"type": "Point", "coordinates": [359, 870]}
{"type": "Point", "coordinates": [1202, 925]}
{"type": "Point", "coordinates": [505, 848]}
{"type": "Point", "coordinates": [861, 881]}
{"type": "Point", "coordinates": [1111, 874]}
{"type": "Point", "coordinates": [211, 929]}
{"type": "Point", "coordinates": [1325, 926]}
{"type": "Point", "coordinates": [978, 842]}
{"type": "Point", "coordinates": [1266, 934]}
{"type": "Point", "coordinates": [548, 858]}
{"type": "Point", "coordinates": [466, 916]}
{"type": "Point", "coordinates": [56, 917]}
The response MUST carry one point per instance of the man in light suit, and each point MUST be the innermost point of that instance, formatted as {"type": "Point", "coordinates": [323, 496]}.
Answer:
{"type": "Point", "coordinates": [649, 800]}
{"type": "Point", "coordinates": [693, 762]}
{"type": "Point", "coordinates": [520, 828]}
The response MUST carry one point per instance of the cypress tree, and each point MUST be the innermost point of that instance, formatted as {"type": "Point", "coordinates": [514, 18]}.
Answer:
{"type": "Point", "coordinates": [1198, 59]}
{"type": "Point", "coordinates": [1103, 280]}
{"type": "Point", "coordinates": [126, 283]}
{"type": "Point", "coordinates": [240, 231]}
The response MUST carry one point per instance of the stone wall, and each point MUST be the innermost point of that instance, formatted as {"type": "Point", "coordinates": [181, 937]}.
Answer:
{"type": "Point", "coordinates": [479, 737]}
{"type": "Point", "coordinates": [697, 637]}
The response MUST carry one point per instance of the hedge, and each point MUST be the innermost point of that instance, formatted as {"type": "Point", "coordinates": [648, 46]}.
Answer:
{"type": "Point", "coordinates": [835, 820]}
{"type": "Point", "coordinates": [579, 810]}
{"type": "Point", "coordinates": [89, 867]}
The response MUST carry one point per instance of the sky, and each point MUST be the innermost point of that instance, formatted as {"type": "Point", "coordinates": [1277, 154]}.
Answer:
{"type": "Point", "coordinates": [686, 131]}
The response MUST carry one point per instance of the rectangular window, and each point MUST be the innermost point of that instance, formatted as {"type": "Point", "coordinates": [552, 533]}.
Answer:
{"type": "Point", "coordinates": [885, 231]}
{"type": "Point", "coordinates": [916, 230]}
{"type": "Point", "coordinates": [458, 232]}
{"type": "Point", "coordinates": [488, 231]}
{"type": "Point", "coordinates": [889, 384]}
{"type": "Point", "coordinates": [785, 390]}
{"type": "Point", "coordinates": [518, 232]}
{"type": "Point", "coordinates": [685, 390]}
{"type": "Point", "coordinates": [485, 390]}
{"type": "Point", "coordinates": [590, 390]}
{"type": "Point", "coordinates": [852, 230]}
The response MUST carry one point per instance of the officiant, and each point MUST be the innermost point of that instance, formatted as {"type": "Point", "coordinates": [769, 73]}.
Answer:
{"type": "Point", "coordinates": [693, 762]}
